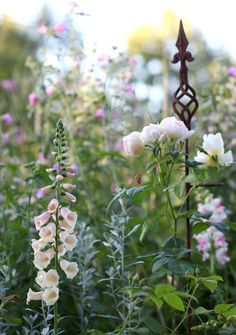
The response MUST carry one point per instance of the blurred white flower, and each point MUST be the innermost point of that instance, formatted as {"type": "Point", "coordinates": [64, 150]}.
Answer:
{"type": "Point", "coordinates": [31, 295]}
{"type": "Point", "coordinates": [133, 144]}
{"type": "Point", "coordinates": [213, 155]}
{"type": "Point", "coordinates": [70, 268]}
{"type": "Point", "coordinates": [175, 129]}
{"type": "Point", "coordinates": [69, 240]}
{"type": "Point", "coordinates": [47, 232]}
{"type": "Point", "coordinates": [43, 259]}
{"type": "Point", "coordinates": [70, 219]}
{"type": "Point", "coordinates": [50, 296]}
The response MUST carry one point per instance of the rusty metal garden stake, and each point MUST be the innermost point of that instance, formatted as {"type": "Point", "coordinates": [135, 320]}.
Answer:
{"type": "Point", "coordinates": [185, 105]}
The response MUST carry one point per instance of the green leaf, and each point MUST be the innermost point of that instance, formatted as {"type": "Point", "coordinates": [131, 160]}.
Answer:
{"type": "Point", "coordinates": [174, 301]}
{"type": "Point", "coordinates": [136, 193]}
{"type": "Point", "coordinates": [200, 226]}
{"type": "Point", "coordinates": [210, 284]}
{"type": "Point", "coordinates": [159, 263]}
{"type": "Point", "coordinates": [142, 331]}
{"type": "Point", "coordinates": [116, 197]}
{"type": "Point", "coordinates": [173, 243]}
{"type": "Point", "coordinates": [164, 289]}
{"type": "Point", "coordinates": [156, 300]}
{"type": "Point", "coordinates": [230, 312]}
{"type": "Point", "coordinates": [201, 310]}
{"type": "Point", "coordinates": [221, 227]}
{"type": "Point", "coordinates": [221, 308]}
{"type": "Point", "coordinates": [215, 277]}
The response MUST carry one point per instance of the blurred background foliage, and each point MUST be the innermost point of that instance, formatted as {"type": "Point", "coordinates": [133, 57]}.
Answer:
{"type": "Point", "coordinates": [100, 98]}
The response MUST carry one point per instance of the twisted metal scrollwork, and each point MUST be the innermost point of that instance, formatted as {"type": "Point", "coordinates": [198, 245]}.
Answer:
{"type": "Point", "coordinates": [185, 103]}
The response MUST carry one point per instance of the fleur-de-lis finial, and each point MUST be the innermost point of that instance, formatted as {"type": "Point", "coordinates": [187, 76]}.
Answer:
{"type": "Point", "coordinates": [185, 102]}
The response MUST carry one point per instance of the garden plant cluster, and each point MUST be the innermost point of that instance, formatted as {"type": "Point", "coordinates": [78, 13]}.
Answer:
{"type": "Point", "coordinates": [93, 194]}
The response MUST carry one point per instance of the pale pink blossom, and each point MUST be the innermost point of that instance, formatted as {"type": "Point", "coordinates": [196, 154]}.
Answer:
{"type": "Point", "coordinates": [49, 90]}
{"type": "Point", "coordinates": [70, 197]}
{"type": "Point", "coordinates": [69, 240]}
{"type": "Point", "coordinates": [33, 99]}
{"type": "Point", "coordinates": [43, 259]}
{"type": "Point", "coordinates": [59, 27]}
{"type": "Point", "coordinates": [42, 29]}
{"type": "Point", "coordinates": [41, 219]}
{"type": "Point", "coordinates": [52, 206]}
{"type": "Point", "coordinates": [50, 296]}
{"type": "Point", "coordinates": [46, 189]}
{"type": "Point", "coordinates": [99, 114]}
{"type": "Point", "coordinates": [68, 187]}
{"type": "Point", "coordinates": [47, 232]}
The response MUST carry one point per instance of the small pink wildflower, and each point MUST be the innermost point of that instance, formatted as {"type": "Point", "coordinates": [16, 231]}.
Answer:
{"type": "Point", "coordinates": [42, 29]}
{"type": "Point", "coordinates": [99, 114]}
{"type": "Point", "coordinates": [33, 99]}
{"type": "Point", "coordinates": [7, 118]}
{"type": "Point", "coordinates": [59, 27]}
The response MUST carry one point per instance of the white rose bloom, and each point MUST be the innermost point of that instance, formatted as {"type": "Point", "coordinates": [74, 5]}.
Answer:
{"type": "Point", "coordinates": [175, 129]}
{"type": "Point", "coordinates": [213, 145]}
{"type": "Point", "coordinates": [69, 240]}
{"type": "Point", "coordinates": [31, 295]}
{"type": "Point", "coordinates": [133, 144]}
{"type": "Point", "coordinates": [70, 268]}
{"type": "Point", "coordinates": [47, 232]}
{"type": "Point", "coordinates": [43, 259]}
{"type": "Point", "coordinates": [69, 221]}
{"type": "Point", "coordinates": [50, 296]}
{"type": "Point", "coordinates": [38, 244]}
{"type": "Point", "coordinates": [52, 206]}
{"type": "Point", "coordinates": [151, 134]}
{"type": "Point", "coordinates": [41, 219]}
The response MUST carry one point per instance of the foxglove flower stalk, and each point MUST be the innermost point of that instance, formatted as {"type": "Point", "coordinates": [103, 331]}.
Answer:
{"type": "Point", "coordinates": [55, 227]}
{"type": "Point", "coordinates": [212, 242]}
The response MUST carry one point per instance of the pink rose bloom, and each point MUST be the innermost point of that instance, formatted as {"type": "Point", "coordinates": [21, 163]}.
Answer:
{"type": "Point", "coordinates": [59, 27]}
{"type": "Point", "coordinates": [42, 29]}
{"type": "Point", "coordinates": [33, 99]}
{"type": "Point", "coordinates": [100, 114]}
{"type": "Point", "coordinates": [49, 90]}
{"type": "Point", "coordinates": [7, 118]}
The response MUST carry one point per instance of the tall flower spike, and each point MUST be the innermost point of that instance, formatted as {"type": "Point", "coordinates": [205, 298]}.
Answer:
{"type": "Point", "coordinates": [55, 228]}
{"type": "Point", "coordinates": [185, 103]}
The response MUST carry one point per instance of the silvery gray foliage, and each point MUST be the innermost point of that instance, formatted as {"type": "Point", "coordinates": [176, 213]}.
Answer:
{"type": "Point", "coordinates": [85, 253]}
{"type": "Point", "coordinates": [123, 286]}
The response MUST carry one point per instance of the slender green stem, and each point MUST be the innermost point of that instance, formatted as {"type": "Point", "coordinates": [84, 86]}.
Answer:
{"type": "Point", "coordinates": [56, 245]}
{"type": "Point", "coordinates": [187, 309]}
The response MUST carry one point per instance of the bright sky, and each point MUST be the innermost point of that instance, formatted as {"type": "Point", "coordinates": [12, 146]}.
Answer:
{"type": "Point", "coordinates": [111, 21]}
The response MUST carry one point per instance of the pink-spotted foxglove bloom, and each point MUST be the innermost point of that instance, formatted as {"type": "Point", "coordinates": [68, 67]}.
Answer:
{"type": "Point", "coordinates": [55, 228]}
{"type": "Point", "coordinates": [133, 144]}
{"type": "Point", "coordinates": [213, 153]}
